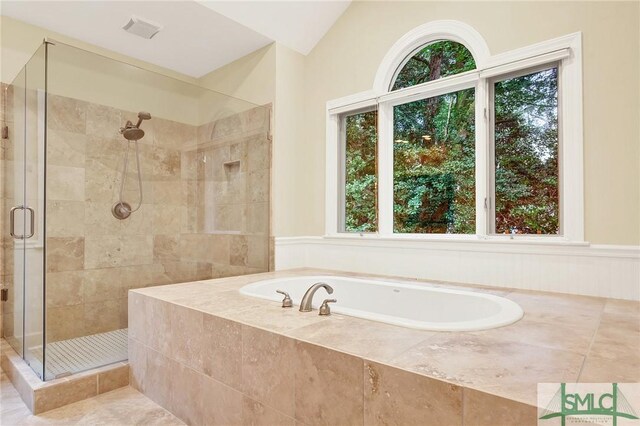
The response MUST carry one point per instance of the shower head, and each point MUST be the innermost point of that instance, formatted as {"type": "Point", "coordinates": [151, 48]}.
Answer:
{"type": "Point", "coordinates": [134, 133]}
{"type": "Point", "coordinates": [143, 116]}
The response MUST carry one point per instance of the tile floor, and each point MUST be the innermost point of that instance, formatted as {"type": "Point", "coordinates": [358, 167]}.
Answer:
{"type": "Point", "coordinates": [123, 406]}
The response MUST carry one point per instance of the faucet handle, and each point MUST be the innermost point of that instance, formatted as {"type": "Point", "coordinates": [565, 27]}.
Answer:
{"type": "Point", "coordinates": [286, 302]}
{"type": "Point", "coordinates": [324, 308]}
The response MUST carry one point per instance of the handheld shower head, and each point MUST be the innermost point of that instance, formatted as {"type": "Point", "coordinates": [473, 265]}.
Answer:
{"type": "Point", "coordinates": [143, 116]}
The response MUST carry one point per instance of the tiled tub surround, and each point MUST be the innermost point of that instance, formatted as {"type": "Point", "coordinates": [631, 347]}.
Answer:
{"type": "Point", "coordinates": [213, 356]}
{"type": "Point", "coordinates": [93, 259]}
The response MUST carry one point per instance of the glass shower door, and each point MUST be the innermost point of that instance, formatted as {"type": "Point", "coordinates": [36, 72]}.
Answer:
{"type": "Point", "coordinates": [13, 191]}
{"type": "Point", "coordinates": [26, 178]}
{"type": "Point", "coordinates": [34, 197]}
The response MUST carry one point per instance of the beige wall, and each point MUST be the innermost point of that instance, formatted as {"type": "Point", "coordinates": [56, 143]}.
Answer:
{"type": "Point", "coordinates": [346, 60]}
{"type": "Point", "coordinates": [112, 79]}
{"type": "Point", "coordinates": [274, 74]}
{"type": "Point", "coordinates": [251, 77]}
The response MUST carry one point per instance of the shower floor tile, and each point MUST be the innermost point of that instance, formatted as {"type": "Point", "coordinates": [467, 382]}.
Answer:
{"type": "Point", "coordinates": [84, 353]}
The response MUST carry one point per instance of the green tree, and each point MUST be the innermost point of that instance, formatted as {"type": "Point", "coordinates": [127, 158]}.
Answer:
{"type": "Point", "coordinates": [434, 153]}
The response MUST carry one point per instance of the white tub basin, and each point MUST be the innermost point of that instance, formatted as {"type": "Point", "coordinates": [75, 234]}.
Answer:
{"type": "Point", "coordinates": [420, 306]}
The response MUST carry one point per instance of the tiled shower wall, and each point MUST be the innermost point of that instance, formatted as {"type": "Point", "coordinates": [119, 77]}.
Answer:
{"type": "Point", "coordinates": [199, 218]}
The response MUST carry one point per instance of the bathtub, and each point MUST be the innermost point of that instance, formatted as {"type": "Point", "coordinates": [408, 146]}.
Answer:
{"type": "Point", "coordinates": [419, 306]}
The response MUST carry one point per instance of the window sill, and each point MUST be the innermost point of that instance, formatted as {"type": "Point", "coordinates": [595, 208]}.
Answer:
{"type": "Point", "coordinates": [518, 240]}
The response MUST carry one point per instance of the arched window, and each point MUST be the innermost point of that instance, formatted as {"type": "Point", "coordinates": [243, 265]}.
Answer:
{"type": "Point", "coordinates": [453, 140]}
{"type": "Point", "coordinates": [435, 60]}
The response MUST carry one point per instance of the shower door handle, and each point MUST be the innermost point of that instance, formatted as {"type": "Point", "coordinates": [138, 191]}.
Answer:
{"type": "Point", "coordinates": [12, 222]}
{"type": "Point", "coordinates": [32, 228]}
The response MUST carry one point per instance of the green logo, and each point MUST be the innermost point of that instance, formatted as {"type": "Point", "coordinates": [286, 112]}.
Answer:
{"type": "Point", "coordinates": [613, 404]}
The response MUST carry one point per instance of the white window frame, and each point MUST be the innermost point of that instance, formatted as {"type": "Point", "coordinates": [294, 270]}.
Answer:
{"type": "Point", "coordinates": [566, 50]}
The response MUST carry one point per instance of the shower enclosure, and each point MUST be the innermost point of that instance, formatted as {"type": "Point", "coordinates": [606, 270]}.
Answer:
{"type": "Point", "coordinates": [67, 261]}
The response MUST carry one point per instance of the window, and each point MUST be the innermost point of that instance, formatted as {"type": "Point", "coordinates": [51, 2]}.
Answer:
{"type": "Point", "coordinates": [434, 61]}
{"type": "Point", "coordinates": [456, 143]}
{"type": "Point", "coordinates": [360, 183]}
{"type": "Point", "coordinates": [525, 135]}
{"type": "Point", "coordinates": [434, 165]}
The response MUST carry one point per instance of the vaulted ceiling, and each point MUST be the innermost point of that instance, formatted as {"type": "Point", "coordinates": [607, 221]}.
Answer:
{"type": "Point", "coordinates": [196, 37]}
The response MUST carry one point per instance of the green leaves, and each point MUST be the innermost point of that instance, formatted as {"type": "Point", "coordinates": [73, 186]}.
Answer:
{"type": "Point", "coordinates": [434, 153]}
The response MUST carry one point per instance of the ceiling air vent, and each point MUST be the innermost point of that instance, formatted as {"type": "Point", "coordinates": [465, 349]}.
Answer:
{"type": "Point", "coordinates": [141, 28]}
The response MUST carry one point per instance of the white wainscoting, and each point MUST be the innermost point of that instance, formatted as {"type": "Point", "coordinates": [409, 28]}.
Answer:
{"type": "Point", "coordinates": [593, 270]}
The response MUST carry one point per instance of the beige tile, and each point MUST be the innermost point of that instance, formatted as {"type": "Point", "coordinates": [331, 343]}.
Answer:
{"type": "Point", "coordinates": [108, 151]}
{"type": "Point", "coordinates": [66, 148]}
{"type": "Point", "coordinates": [157, 316]}
{"type": "Point", "coordinates": [137, 365]}
{"type": "Point", "coordinates": [274, 317]}
{"type": "Point", "coordinates": [222, 405]}
{"type": "Point", "coordinates": [267, 375]}
{"type": "Point", "coordinates": [101, 182]}
{"type": "Point", "coordinates": [219, 248]}
{"type": "Point", "coordinates": [622, 307]}
{"type": "Point", "coordinates": [483, 409]}
{"type": "Point", "coordinates": [99, 221]}
{"type": "Point", "coordinates": [66, 114]}
{"type": "Point", "coordinates": [187, 388]}
{"type": "Point", "coordinates": [65, 183]}
{"type": "Point", "coordinates": [13, 409]}
{"type": "Point", "coordinates": [120, 407]}
{"type": "Point", "coordinates": [257, 251]}
{"type": "Point", "coordinates": [238, 151]}
{"type": "Point", "coordinates": [256, 120]}
{"type": "Point", "coordinates": [126, 250]}
{"type": "Point", "coordinates": [396, 397]}
{"type": "Point", "coordinates": [65, 218]}
{"type": "Point", "coordinates": [257, 218]}
{"type": "Point", "coordinates": [114, 378]}
{"type": "Point", "coordinates": [72, 390]}
{"type": "Point", "coordinates": [195, 247]}
{"type": "Point", "coordinates": [171, 134]}
{"type": "Point", "coordinates": [466, 359]}
{"type": "Point", "coordinates": [328, 386]}
{"type": "Point", "coordinates": [258, 154]}
{"type": "Point", "coordinates": [167, 219]}
{"type": "Point", "coordinates": [258, 186]}
{"type": "Point", "coordinates": [64, 288]}
{"type": "Point", "coordinates": [553, 321]}
{"type": "Point", "coordinates": [186, 337]}
{"type": "Point", "coordinates": [100, 285]}
{"type": "Point", "coordinates": [364, 338]}
{"type": "Point", "coordinates": [158, 162]}
{"type": "Point", "coordinates": [256, 414]}
{"type": "Point", "coordinates": [166, 247]}
{"type": "Point", "coordinates": [65, 254]}
{"type": "Point", "coordinates": [65, 323]}
{"type": "Point", "coordinates": [100, 317]}
{"type": "Point", "coordinates": [238, 250]}
{"type": "Point", "coordinates": [614, 355]}
{"type": "Point", "coordinates": [222, 350]}
{"type": "Point", "coordinates": [103, 121]}
{"type": "Point", "coordinates": [167, 192]}
{"type": "Point", "coordinates": [226, 126]}
{"type": "Point", "coordinates": [160, 373]}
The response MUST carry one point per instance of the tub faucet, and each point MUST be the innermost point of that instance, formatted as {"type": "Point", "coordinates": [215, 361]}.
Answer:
{"type": "Point", "coordinates": [307, 299]}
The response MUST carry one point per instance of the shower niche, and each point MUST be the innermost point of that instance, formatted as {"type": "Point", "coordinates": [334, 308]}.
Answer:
{"type": "Point", "coordinates": [201, 179]}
